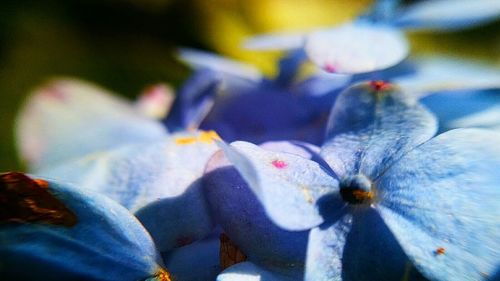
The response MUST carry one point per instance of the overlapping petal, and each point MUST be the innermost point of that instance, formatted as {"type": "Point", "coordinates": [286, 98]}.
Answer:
{"type": "Point", "coordinates": [62, 232]}
{"type": "Point", "coordinates": [441, 202]}
{"type": "Point", "coordinates": [194, 101]}
{"type": "Point", "coordinates": [357, 246]}
{"type": "Point", "coordinates": [155, 180]}
{"type": "Point", "coordinates": [356, 48]}
{"type": "Point", "coordinates": [244, 220]}
{"type": "Point", "coordinates": [447, 14]}
{"type": "Point", "coordinates": [66, 119]}
{"type": "Point", "coordinates": [297, 181]}
{"type": "Point", "coordinates": [198, 261]}
{"type": "Point", "coordinates": [480, 109]}
{"type": "Point", "coordinates": [440, 74]}
{"type": "Point", "coordinates": [276, 41]}
{"type": "Point", "coordinates": [247, 271]}
{"type": "Point", "coordinates": [371, 126]}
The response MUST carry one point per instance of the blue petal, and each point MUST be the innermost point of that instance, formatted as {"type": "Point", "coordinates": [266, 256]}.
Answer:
{"type": "Point", "coordinates": [233, 72]}
{"type": "Point", "coordinates": [382, 10]}
{"type": "Point", "coordinates": [297, 181]}
{"type": "Point", "coordinates": [247, 271]}
{"type": "Point", "coordinates": [194, 100]}
{"type": "Point", "coordinates": [438, 74]}
{"type": "Point", "coordinates": [356, 48]}
{"type": "Point", "coordinates": [441, 202]}
{"type": "Point", "coordinates": [68, 118]}
{"type": "Point", "coordinates": [289, 67]}
{"type": "Point", "coordinates": [198, 261]}
{"type": "Point", "coordinates": [468, 109]}
{"type": "Point", "coordinates": [371, 126]}
{"type": "Point", "coordinates": [158, 181]}
{"type": "Point", "coordinates": [357, 246]}
{"type": "Point", "coordinates": [266, 112]}
{"type": "Point", "coordinates": [104, 241]}
{"type": "Point", "coordinates": [241, 215]}
{"type": "Point", "coordinates": [447, 14]}
{"type": "Point", "coordinates": [276, 41]}
{"type": "Point", "coordinates": [321, 85]}
{"type": "Point", "coordinates": [325, 250]}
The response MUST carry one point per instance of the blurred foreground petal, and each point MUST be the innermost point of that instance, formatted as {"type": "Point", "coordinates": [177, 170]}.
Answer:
{"type": "Point", "coordinates": [67, 119]}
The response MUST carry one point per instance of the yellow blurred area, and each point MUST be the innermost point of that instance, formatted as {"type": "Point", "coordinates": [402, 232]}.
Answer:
{"type": "Point", "coordinates": [227, 23]}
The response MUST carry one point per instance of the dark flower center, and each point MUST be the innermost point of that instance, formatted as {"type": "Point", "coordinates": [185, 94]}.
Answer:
{"type": "Point", "coordinates": [356, 189]}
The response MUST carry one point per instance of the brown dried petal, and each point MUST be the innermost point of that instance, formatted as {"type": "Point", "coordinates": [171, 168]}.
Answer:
{"type": "Point", "coordinates": [24, 200]}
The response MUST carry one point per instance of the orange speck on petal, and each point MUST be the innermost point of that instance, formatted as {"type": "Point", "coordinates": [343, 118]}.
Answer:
{"type": "Point", "coordinates": [440, 251]}
{"type": "Point", "coordinates": [229, 253]}
{"type": "Point", "coordinates": [163, 275]}
{"type": "Point", "coordinates": [41, 183]}
{"type": "Point", "coordinates": [186, 140]}
{"type": "Point", "coordinates": [380, 85]}
{"type": "Point", "coordinates": [204, 136]}
{"type": "Point", "coordinates": [208, 136]}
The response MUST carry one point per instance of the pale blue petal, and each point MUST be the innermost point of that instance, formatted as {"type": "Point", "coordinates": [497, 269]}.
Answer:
{"type": "Point", "coordinates": [382, 10]}
{"type": "Point", "coordinates": [276, 41]}
{"type": "Point", "coordinates": [69, 118]}
{"type": "Point", "coordinates": [322, 84]}
{"type": "Point", "coordinates": [297, 181]}
{"type": "Point", "coordinates": [438, 74]}
{"type": "Point", "coordinates": [370, 128]}
{"type": "Point", "coordinates": [325, 250]}
{"type": "Point", "coordinates": [237, 210]}
{"type": "Point", "coordinates": [441, 202]}
{"type": "Point", "coordinates": [462, 109]}
{"type": "Point", "coordinates": [106, 242]}
{"type": "Point", "coordinates": [234, 69]}
{"type": "Point", "coordinates": [247, 271]}
{"type": "Point", "coordinates": [356, 48]}
{"type": "Point", "coordinates": [159, 181]}
{"type": "Point", "coordinates": [447, 14]}
{"type": "Point", "coordinates": [357, 247]}
{"type": "Point", "coordinates": [198, 261]}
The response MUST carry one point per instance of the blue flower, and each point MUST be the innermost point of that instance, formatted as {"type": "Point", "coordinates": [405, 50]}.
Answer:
{"type": "Point", "coordinates": [389, 196]}
{"type": "Point", "coordinates": [257, 109]}
{"type": "Point", "coordinates": [57, 231]}
{"type": "Point", "coordinates": [76, 132]}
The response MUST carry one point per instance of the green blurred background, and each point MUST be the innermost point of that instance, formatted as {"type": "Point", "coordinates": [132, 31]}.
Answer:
{"type": "Point", "coordinates": [124, 45]}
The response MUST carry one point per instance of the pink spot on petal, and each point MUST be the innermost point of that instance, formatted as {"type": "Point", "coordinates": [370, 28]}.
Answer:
{"type": "Point", "coordinates": [279, 164]}
{"type": "Point", "coordinates": [329, 67]}
{"type": "Point", "coordinates": [54, 92]}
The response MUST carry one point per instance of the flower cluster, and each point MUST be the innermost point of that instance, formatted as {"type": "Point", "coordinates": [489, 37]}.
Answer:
{"type": "Point", "coordinates": [374, 166]}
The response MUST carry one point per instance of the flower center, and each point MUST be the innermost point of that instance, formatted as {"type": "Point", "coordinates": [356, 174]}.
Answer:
{"type": "Point", "coordinates": [356, 189]}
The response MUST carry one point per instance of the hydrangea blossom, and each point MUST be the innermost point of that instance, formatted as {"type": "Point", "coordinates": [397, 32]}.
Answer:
{"type": "Point", "coordinates": [248, 101]}
{"type": "Point", "coordinates": [103, 144]}
{"type": "Point", "coordinates": [257, 109]}
{"type": "Point", "coordinates": [389, 194]}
